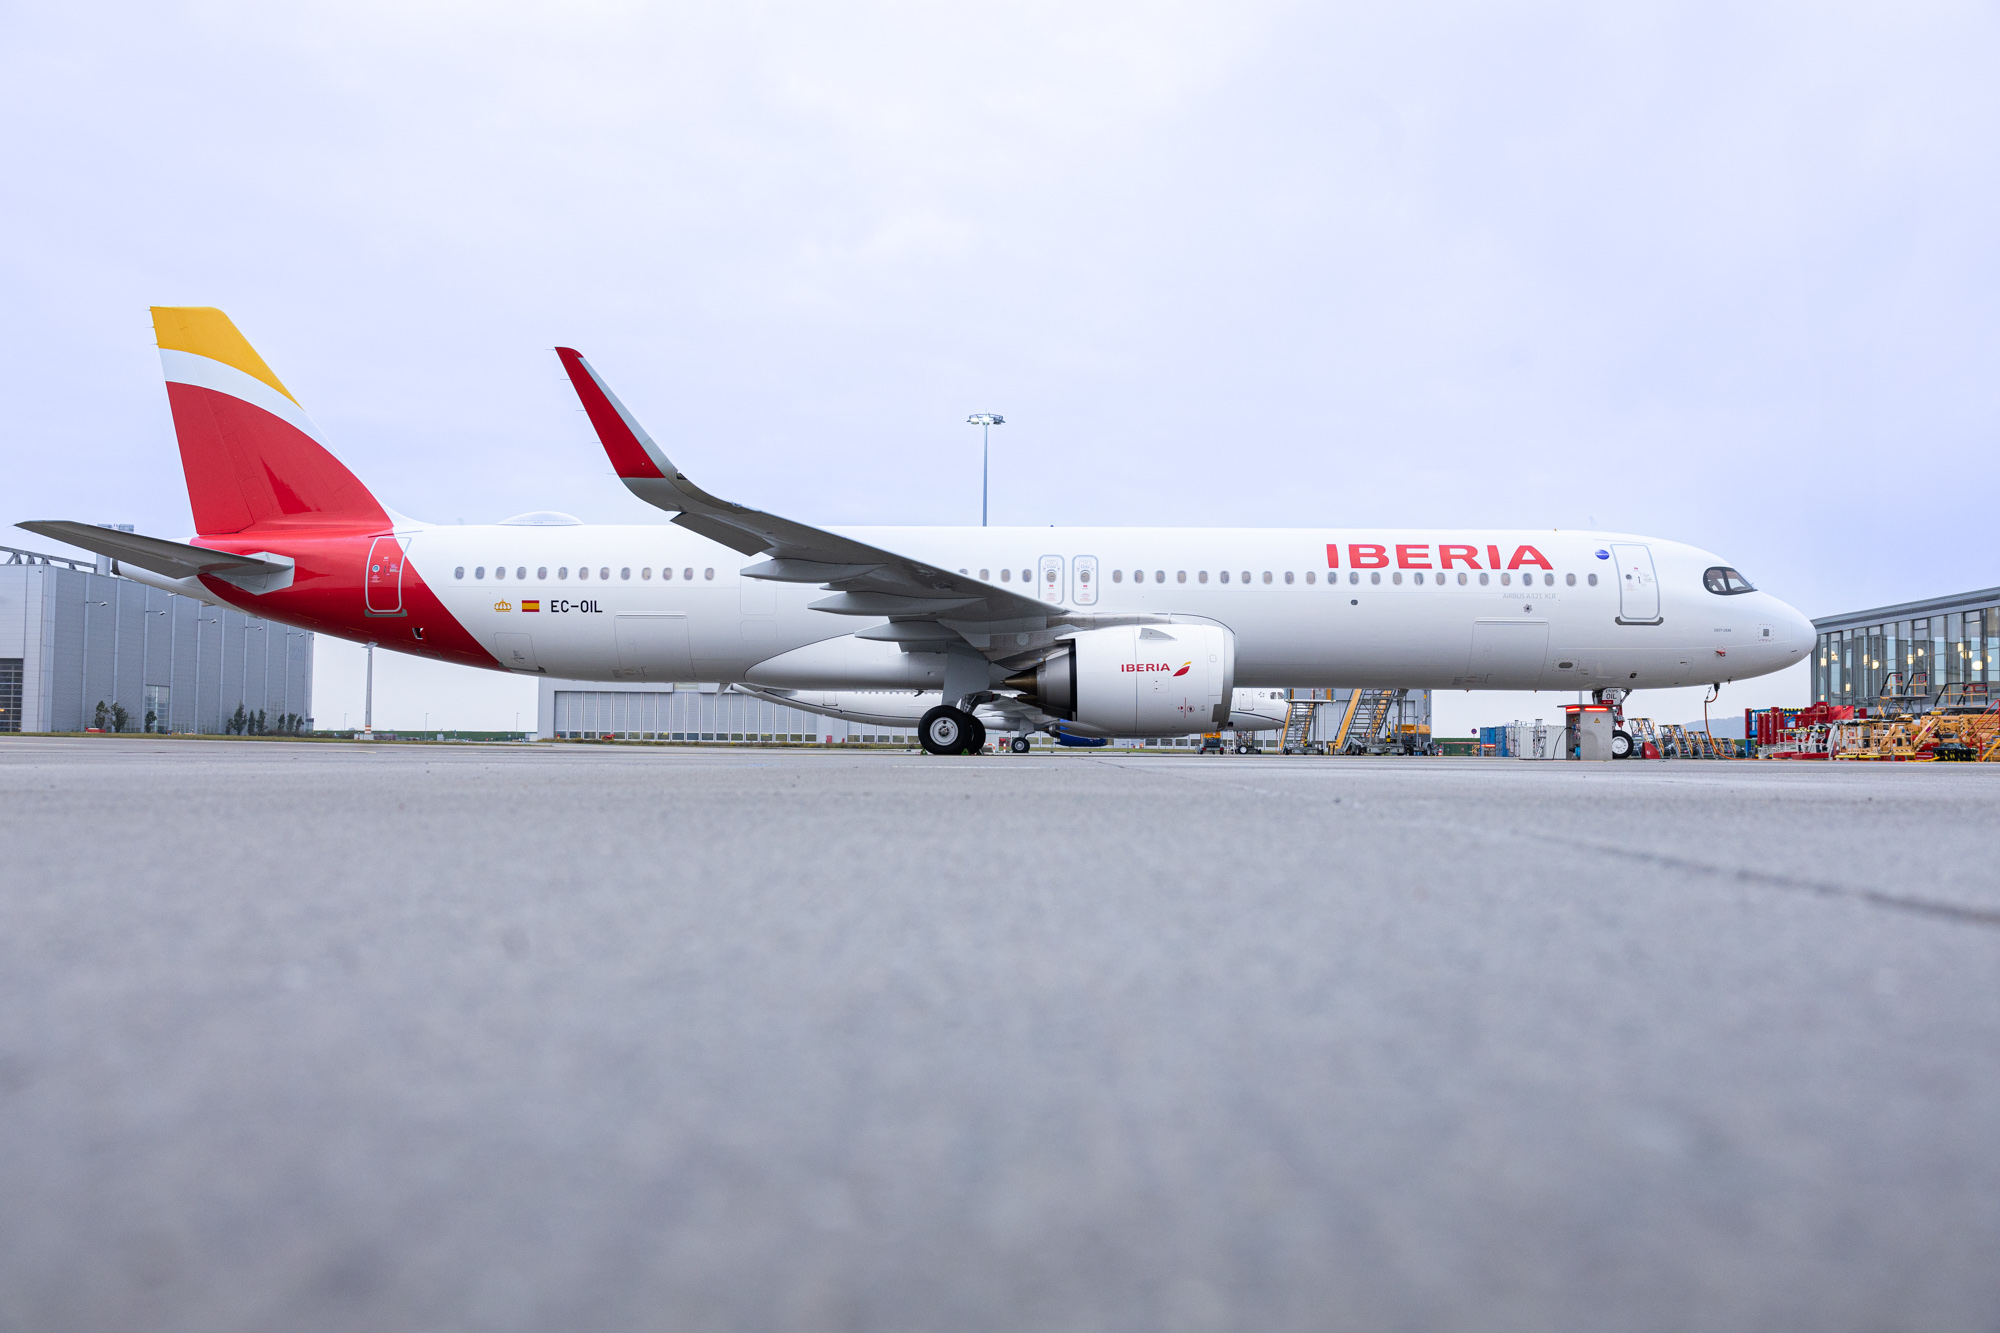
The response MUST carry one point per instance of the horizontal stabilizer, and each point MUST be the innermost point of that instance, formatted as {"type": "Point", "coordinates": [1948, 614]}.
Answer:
{"type": "Point", "coordinates": [262, 572]}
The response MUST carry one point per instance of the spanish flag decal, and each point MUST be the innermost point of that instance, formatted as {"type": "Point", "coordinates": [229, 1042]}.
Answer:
{"type": "Point", "coordinates": [529, 604]}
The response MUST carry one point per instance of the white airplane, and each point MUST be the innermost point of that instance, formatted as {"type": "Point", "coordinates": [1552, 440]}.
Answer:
{"type": "Point", "coordinates": [1094, 632]}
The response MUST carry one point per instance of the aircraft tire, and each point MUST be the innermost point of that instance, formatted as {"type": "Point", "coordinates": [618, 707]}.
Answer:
{"type": "Point", "coordinates": [946, 730]}
{"type": "Point", "coordinates": [1621, 745]}
{"type": "Point", "coordinates": [1019, 745]}
{"type": "Point", "coordinates": [976, 744]}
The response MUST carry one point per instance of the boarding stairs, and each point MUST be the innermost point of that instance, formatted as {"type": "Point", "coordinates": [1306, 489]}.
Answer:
{"type": "Point", "coordinates": [1299, 715]}
{"type": "Point", "coordinates": [1361, 728]}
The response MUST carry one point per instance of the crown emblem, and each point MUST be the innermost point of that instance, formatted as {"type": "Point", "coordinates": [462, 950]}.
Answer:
{"type": "Point", "coordinates": [503, 606]}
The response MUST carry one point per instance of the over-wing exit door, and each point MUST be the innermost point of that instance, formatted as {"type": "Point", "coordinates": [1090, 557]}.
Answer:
{"type": "Point", "coordinates": [1051, 581]}
{"type": "Point", "coordinates": [1084, 570]}
{"type": "Point", "coordinates": [1638, 589]}
{"type": "Point", "coordinates": [384, 578]}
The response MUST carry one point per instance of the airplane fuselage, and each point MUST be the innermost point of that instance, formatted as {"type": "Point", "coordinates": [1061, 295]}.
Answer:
{"type": "Point", "coordinates": [1364, 607]}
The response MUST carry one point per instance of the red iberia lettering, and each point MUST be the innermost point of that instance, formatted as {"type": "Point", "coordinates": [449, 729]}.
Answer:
{"type": "Point", "coordinates": [1413, 557]}
{"type": "Point", "coordinates": [1469, 554]}
{"type": "Point", "coordinates": [1367, 555]}
{"type": "Point", "coordinates": [1493, 557]}
{"type": "Point", "coordinates": [1332, 555]}
{"type": "Point", "coordinates": [1528, 555]}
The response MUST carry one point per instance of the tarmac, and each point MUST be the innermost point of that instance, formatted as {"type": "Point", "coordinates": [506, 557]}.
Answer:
{"type": "Point", "coordinates": [349, 1036]}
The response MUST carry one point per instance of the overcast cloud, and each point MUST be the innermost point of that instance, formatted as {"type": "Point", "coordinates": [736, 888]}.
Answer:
{"type": "Point", "coordinates": [1720, 273]}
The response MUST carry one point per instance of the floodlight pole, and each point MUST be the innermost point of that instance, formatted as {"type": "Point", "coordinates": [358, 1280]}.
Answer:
{"type": "Point", "coordinates": [368, 699]}
{"type": "Point", "coordinates": [986, 421]}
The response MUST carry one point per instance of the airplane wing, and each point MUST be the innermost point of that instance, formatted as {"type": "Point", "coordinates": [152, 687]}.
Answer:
{"type": "Point", "coordinates": [176, 560]}
{"type": "Point", "coordinates": [924, 604]}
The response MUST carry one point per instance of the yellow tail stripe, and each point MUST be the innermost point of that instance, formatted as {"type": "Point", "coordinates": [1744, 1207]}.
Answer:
{"type": "Point", "coordinates": [206, 331]}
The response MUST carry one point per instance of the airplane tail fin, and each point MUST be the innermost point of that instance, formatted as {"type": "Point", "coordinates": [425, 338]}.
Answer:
{"type": "Point", "coordinates": [252, 456]}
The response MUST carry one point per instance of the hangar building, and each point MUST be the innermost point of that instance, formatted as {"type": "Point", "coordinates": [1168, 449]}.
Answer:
{"type": "Point", "coordinates": [73, 635]}
{"type": "Point", "coordinates": [568, 709]}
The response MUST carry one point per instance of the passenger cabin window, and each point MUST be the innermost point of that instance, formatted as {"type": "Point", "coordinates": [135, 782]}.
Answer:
{"type": "Point", "coordinates": [1006, 576]}
{"type": "Point", "coordinates": [687, 573]}
{"type": "Point", "coordinates": [605, 572]}
{"type": "Point", "coordinates": [1593, 580]}
{"type": "Point", "coordinates": [1224, 576]}
{"type": "Point", "coordinates": [1117, 576]}
{"type": "Point", "coordinates": [459, 573]}
{"type": "Point", "coordinates": [708, 573]}
{"type": "Point", "coordinates": [1724, 581]}
{"type": "Point", "coordinates": [1202, 576]}
{"type": "Point", "coordinates": [1569, 580]}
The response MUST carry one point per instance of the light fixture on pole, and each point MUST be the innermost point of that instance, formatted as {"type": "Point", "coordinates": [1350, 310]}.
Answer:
{"type": "Point", "coordinates": [986, 421]}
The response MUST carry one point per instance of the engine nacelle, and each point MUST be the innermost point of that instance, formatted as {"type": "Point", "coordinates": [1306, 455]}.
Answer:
{"type": "Point", "coordinates": [1138, 680]}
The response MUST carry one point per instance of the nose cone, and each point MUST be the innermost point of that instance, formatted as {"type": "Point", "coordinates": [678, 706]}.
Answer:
{"type": "Point", "coordinates": [1795, 631]}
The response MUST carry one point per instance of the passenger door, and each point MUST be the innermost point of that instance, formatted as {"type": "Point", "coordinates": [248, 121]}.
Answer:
{"type": "Point", "coordinates": [1638, 589]}
{"type": "Point", "coordinates": [383, 580]}
{"type": "Point", "coordinates": [1050, 584]}
{"type": "Point", "coordinates": [1084, 570]}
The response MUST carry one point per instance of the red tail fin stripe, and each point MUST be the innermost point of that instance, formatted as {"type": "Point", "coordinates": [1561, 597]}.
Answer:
{"type": "Point", "coordinates": [206, 373]}
{"type": "Point", "coordinates": [631, 450]}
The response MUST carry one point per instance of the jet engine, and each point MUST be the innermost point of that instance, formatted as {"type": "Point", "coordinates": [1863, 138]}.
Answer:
{"type": "Point", "coordinates": [1137, 680]}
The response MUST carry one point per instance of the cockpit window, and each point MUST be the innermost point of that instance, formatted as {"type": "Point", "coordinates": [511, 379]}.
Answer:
{"type": "Point", "coordinates": [1725, 581]}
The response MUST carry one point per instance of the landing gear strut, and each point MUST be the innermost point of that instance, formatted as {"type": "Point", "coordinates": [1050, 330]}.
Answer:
{"type": "Point", "coordinates": [948, 730]}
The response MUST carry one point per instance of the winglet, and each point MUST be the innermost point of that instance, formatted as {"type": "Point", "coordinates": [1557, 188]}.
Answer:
{"type": "Point", "coordinates": [632, 452]}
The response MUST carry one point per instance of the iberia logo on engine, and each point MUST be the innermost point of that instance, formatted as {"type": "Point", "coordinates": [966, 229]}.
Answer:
{"type": "Point", "coordinates": [1155, 666]}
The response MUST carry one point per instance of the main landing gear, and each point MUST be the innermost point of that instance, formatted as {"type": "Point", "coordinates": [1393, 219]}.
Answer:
{"type": "Point", "coordinates": [1019, 745]}
{"type": "Point", "coordinates": [948, 730]}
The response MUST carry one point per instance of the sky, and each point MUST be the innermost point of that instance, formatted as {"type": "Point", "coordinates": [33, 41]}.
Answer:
{"type": "Point", "coordinates": [1724, 274]}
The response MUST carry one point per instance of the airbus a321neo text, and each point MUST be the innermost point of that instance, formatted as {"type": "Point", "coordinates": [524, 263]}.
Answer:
{"type": "Point", "coordinates": [1078, 632]}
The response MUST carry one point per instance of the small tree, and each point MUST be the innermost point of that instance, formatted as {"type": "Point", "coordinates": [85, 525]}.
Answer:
{"type": "Point", "coordinates": [120, 719]}
{"type": "Point", "coordinates": [103, 716]}
{"type": "Point", "coordinates": [260, 724]}
{"type": "Point", "coordinates": [239, 722]}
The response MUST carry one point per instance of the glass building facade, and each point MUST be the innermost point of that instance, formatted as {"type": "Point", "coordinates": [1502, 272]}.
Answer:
{"type": "Point", "coordinates": [1903, 656]}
